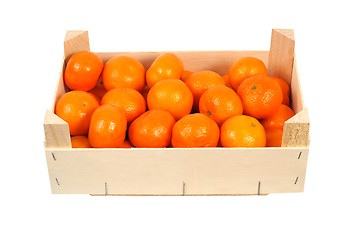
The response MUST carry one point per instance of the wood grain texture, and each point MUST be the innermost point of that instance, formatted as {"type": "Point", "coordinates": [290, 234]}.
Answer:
{"type": "Point", "coordinates": [296, 130]}
{"type": "Point", "coordinates": [297, 100]}
{"type": "Point", "coordinates": [205, 171]}
{"type": "Point", "coordinates": [281, 55]}
{"type": "Point", "coordinates": [218, 61]}
{"type": "Point", "coordinates": [57, 133]}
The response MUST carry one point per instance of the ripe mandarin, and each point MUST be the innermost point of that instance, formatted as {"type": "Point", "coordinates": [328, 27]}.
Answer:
{"type": "Point", "coordinates": [127, 100]}
{"type": "Point", "coordinates": [107, 127]}
{"type": "Point", "coordinates": [199, 82]}
{"type": "Point", "coordinates": [80, 142]}
{"type": "Point", "coordinates": [220, 103]}
{"type": "Point", "coordinates": [260, 95]}
{"type": "Point", "coordinates": [242, 131]}
{"type": "Point", "coordinates": [76, 108]}
{"type": "Point", "coordinates": [83, 70]}
{"type": "Point", "coordinates": [285, 88]}
{"type": "Point", "coordinates": [171, 95]}
{"type": "Point", "coordinates": [152, 129]}
{"type": "Point", "coordinates": [99, 91]}
{"type": "Point", "coordinates": [195, 130]}
{"type": "Point", "coordinates": [274, 125]}
{"type": "Point", "coordinates": [244, 68]}
{"type": "Point", "coordinates": [185, 74]}
{"type": "Point", "coordinates": [166, 65]}
{"type": "Point", "coordinates": [124, 72]}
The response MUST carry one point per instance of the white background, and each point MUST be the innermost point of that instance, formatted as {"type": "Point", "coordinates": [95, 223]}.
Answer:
{"type": "Point", "coordinates": [327, 47]}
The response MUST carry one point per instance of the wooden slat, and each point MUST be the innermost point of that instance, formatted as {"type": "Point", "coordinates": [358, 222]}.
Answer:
{"type": "Point", "coordinates": [60, 89]}
{"type": "Point", "coordinates": [204, 171]}
{"type": "Point", "coordinates": [218, 61]}
{"type": "Point", "coordinates": [281, 55]}
{"type": "Point", "coordinates": [297, 101]}
{"type": "Point", "coordinates": [57, 133]}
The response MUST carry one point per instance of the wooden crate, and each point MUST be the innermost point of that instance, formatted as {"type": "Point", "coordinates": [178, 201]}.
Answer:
{"type": "Point", "coordinates": [180, 171]}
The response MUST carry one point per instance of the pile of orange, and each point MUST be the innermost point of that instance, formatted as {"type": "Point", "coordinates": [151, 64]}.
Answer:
{"type": "Point", "coordinates": [121, 104]}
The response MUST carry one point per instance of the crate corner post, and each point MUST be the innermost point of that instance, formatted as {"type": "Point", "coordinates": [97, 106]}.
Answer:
{"type": "Point", "coordinates": [76, 41]}
{"type": "Point", "coordinates": [296, 130]}
{"type": "Point", "coordinates": [282, 53]}
{"type": "Point", "coordinates": [57, 133]}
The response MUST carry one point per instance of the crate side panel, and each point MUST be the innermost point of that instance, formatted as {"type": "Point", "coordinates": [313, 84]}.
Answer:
{"type": "Point", "coordinates": [177, 171]}
{"type": "Point", "coordinates": [60, 88]}
{"type": "Point", "coordinates": [297, 100]}
{"type": "Point", "coordinates": [218, 61]}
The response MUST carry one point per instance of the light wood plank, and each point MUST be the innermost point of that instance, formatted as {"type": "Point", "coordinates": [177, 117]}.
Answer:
{"type": "Point", "coordinates": [205, 171]}
{"type": "Point", "coordinates": [75, 41]}
{"type": "Point", "coordinates": [57, 133]}
{"type": "Point", "coordinates": [281, 55]}
{"type": "Point", "coordinates": [218, 61]}
{"type": "Point", "coordinates": [297, 101]}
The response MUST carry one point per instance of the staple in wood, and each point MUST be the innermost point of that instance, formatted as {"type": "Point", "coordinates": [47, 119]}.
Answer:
{"type": "Point", "coordinates": [299, 155]}
{"type": "Point", "coordinates": [259, 188]}
{"type": "Point", "coordinates": [296, 180]}
{"type": "Point", "coordinates": [183, 188]}
{"type": "Point", "coordinates": [53, 155]}
{"type": "Point", "coordinates": [57, 181]}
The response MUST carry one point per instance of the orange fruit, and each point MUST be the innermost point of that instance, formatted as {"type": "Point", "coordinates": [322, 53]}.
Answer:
{"type": "Point", "coordinates": [185, 74]}
{"type": "Point", "coordinates": [107, 127]}
{"type": "Point", "coordinates": [123, 72]}
{"type": "Point", "coordinates": [200, 81]}
{"type": "Point", "coordinates": [145, 91]}
{"type": "Point", "coordinates": [260, 95]}
{"type": "Point", "coordinates": [171, 95]}
{"type": "Point", "coordinates": [285, 89]}
{"type": "Point", "coordinates": [152, 129]}
{"type": "Point", "coordinates": [195, 130]}
{"type": "Point", "coordinates": [126, 144]}
{"type": "Point", "coordinates": [242, 131]}
{"type": "Point", "coordinates": [220, 103]}
{"type": "Point", "coordinates": [274, 125]}
{"type": "Point", "coordinates": [99, 91]}
{"type": "Point", "coordinates": [96, 97]}
{"type": "Point", "coordinates": [244, 68]}
{"type": "Point", "coordinates": [277, 119]}
{"type": "Point", "coordinates": [83, 70]}
{"type": "Point", "coordinates": [226, 80]}
{"type": "Point", "coordinates": [165, 66]}
{"type": "Point", "coordinates": [273, 137]}
{"type": "Point", "coordinates": [80, 142]}
{"type": "Point", "coordinates": [127, 100]}
{"type": "Point", "coordinates": [76, 108]}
